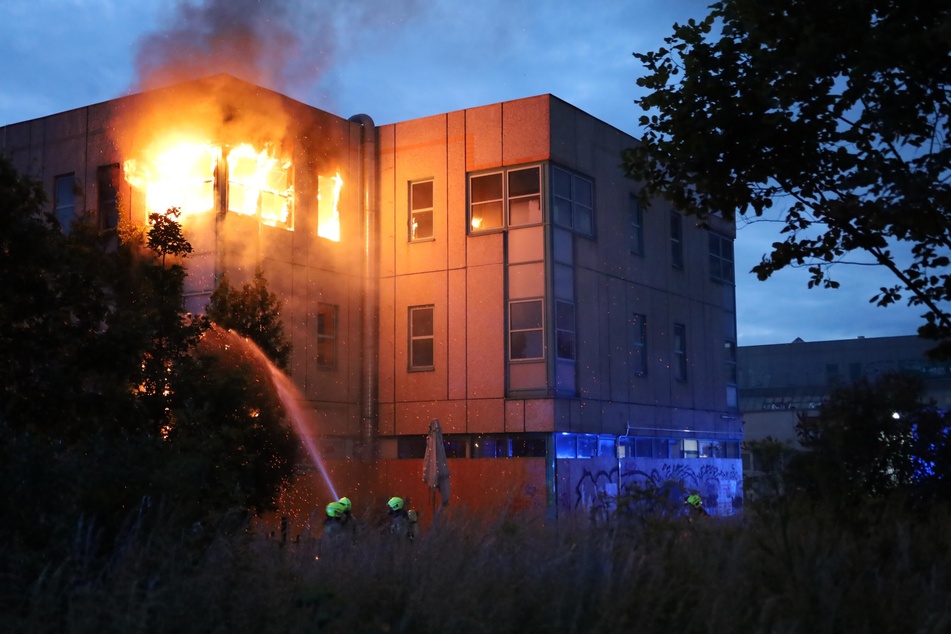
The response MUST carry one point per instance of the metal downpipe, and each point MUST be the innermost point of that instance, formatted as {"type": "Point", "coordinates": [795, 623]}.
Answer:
{"type": "Point", "coordinates": [370, 315]}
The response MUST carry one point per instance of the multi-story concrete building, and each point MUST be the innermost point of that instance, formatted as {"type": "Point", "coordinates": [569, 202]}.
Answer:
{"type": "Point", "coordinates": [490, 268]}
{"type": "Point", "coordinates": [781, 382]}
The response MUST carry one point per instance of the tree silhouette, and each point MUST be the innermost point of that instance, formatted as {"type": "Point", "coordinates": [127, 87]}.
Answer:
{"type": "Point", "coordinates": [834, 114]}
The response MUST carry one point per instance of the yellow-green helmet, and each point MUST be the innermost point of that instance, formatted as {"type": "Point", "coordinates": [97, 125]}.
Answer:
{"type": "Point", "coordinates": [395, 503]}
{"type": "Point", "coordinates": [694, 500]}
{"type": "Point", "coordinates": [346, 503]}
{"type": "Point", "coordinates": [335, 509]}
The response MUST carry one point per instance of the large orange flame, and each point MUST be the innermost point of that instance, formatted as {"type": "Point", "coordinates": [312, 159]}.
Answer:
{"type": "Point", "coordinates": [182, 174]}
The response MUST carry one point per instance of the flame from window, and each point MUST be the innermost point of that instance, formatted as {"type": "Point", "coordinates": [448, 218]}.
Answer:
{"type": "Point", "coordinates": [258, 186]}
{"type": "Point", "coordinates": [182, 174]}
{"type": "Point", "coordinates": [328, 214]}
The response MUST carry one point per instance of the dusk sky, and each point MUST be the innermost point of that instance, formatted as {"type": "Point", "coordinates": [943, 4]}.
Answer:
{"type": "Point", "coordinates": [403, 59]}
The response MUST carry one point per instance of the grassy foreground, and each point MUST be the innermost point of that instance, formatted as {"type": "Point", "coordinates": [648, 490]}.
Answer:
{"type": "Point", "coordinates": [807, 573]}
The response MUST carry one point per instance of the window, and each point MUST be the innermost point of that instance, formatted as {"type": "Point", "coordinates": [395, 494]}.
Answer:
{"type": "Point", "coordinates": [729, 349]}
{"type": "Point", "coordinates": [690, 448]}
{"type": "Point", "coordinates": [721, 259]}
{"type": "Point", "coordinates": [421, 337]}
{"type": "Point", "coordinates": [680, 353]}
{"type": "Point", "coordinates": [411, 447]}
{"type": "Point", "coordinates": [636, 226]}
{"type": "Point", "coordinates": [421, 211]}
{"type": "Point", "coordinates": [587, 446]}
{"type": "Point", "coordinates": [832, 373]}
{"type": "Point", "coordinates": [260, 186]}
{"type": "Point", "coordinates": [573, 201]}
{"type": "Point", "coordinates": [639, 344]}
{"type": "Point", "coordinates": [326, 335]}
{"type": "Point", "coordinates": [64, 200]}
{"type": "Point", "coordinates": [525, 196]}
{"type": "Point", "coordinates": [509, 198]}
{"type": "Point", "coordinates": [855, 371]}
{"type": "Point", "coordinates": [525, 330]}
{"type": "Point", "coordinates": [565, 330]}
{"type": "Point", "coordinates": [676, 240]}
{"type": "Point", "coordinates": [566, 446]}
{"type": "Point", "coordinates": [107, 191]}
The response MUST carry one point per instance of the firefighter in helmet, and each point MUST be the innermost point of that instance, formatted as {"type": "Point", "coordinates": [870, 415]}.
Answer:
{"type": "Point", "coordinates": [694, 504]}
{"type": "Point", "coordinates": [398, 516]}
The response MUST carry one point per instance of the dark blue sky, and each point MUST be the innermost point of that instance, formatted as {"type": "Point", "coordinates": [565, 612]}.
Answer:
{"type": "Point", "coordinates": [403, 59]}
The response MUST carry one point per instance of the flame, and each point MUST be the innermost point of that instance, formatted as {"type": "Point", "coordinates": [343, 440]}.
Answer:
{"type": "Point", "coordinates": [258, 185]}
{"type": "Point", "coordinates": [328, 214]}
{"type": "Point", "coordinates": [182, 174]}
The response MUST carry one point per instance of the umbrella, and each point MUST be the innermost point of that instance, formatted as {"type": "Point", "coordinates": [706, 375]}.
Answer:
{"type": "Point", "coordinates": [435, 466]}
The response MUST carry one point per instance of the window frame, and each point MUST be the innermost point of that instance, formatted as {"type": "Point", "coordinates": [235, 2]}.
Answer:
{"type": "Point", "coordinates": [108, 176]}
{"type": "Point", "coordinates": [323, 337]}
{"type": "Point", "coordinates": [676, 241]}
{"type": "Point", "coordinates": [679, 353]}
{"type": "Point", "coordinates": [639, 342]}
{"type": "Point", "coordinates": [572, 201]}
{"type": "Point", "coordinates": [58, 208]}
{"type": "Point", "coordinates": [505, 198]}
{"type": "Point", "coordinates": [567, 329]}
{"type": "Point", "coordinates": [635, 226]}
{"type": "Point", "coordinates": [718, 259]}
{"type": "Point", "coordinates": [540, 329]}
{"type": "Point", "coordinates": [413, 337]}
{"type": "Point", "coordinates": [421, 211]}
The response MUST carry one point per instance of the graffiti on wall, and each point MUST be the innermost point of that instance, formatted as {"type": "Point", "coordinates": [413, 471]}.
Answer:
{"type": "Point", "coordinates": [652, 485]}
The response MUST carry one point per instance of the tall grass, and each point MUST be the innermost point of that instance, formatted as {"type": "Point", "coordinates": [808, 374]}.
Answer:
{"type": "Point", "coordinates": [776, 573]}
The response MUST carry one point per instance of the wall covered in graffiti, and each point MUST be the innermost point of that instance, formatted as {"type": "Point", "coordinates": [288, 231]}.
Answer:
{"type": "Point", "coordinates": [603, 486]}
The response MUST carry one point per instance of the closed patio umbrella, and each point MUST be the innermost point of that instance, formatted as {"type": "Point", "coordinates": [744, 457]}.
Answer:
{"type": "Point", "coordinates": [435, 466]}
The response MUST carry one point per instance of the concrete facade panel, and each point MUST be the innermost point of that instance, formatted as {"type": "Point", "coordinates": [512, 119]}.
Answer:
{"type": "Point", "coordinates": [485, 416]}
{"type": "Point", "coordinates": [456, 189]}
{"type": "Point", "coordinates": [485, 332]}
{"type": "Point", "coordinates": [387, 193]}
{"type": "Point", "coordinates": [515, 416]}
{"type": "Point", "coordinates": [485, 249]}
{"type": "Point", "coordinates": [525, 130]}
{"type": "Point", "coordinates": [483, 137]}
{"type": "Point", "coordinates": [387, 342]}
{"type": "Point", "coordinates": [457, 362]}
{"type": "Point", "coordinates": [539, 415]}
{"type": "Point", "coordinates": [414, 417]}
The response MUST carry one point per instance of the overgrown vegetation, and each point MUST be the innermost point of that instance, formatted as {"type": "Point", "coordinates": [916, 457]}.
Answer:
{"type": "Point", "coordinates": [114, 401]}
{"type": "Point", "coordinates": [883, 573]}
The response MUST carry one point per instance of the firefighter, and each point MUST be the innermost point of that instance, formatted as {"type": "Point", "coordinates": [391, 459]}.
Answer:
{"type": "Point", "coordinates": [399, 518]}
{"type": "Point", "coordinates": [333, 523]}
{"type": "Point", "coordinates": [694, 504]}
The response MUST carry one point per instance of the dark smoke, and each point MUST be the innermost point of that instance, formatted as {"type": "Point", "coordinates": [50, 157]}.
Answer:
{"type": "Point", "coordinates": [284, 45]}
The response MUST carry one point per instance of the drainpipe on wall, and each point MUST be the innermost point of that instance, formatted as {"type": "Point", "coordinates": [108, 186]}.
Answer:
{"type": "Point", "coordinates": [370, 315]}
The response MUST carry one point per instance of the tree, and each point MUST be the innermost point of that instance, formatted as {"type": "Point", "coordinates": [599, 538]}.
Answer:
{"type": "Point", "coordinates": [110, 394]}
{"type": "Point", "coordinates": [253, 312]}
{"type": "Point", "coordinates": [835, 113]}
{"type": "Point", "coordinates": [875, 439]}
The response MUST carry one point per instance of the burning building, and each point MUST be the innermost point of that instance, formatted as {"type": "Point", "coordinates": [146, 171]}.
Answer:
{"type": "Point", "coordinates": [490, 268]}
